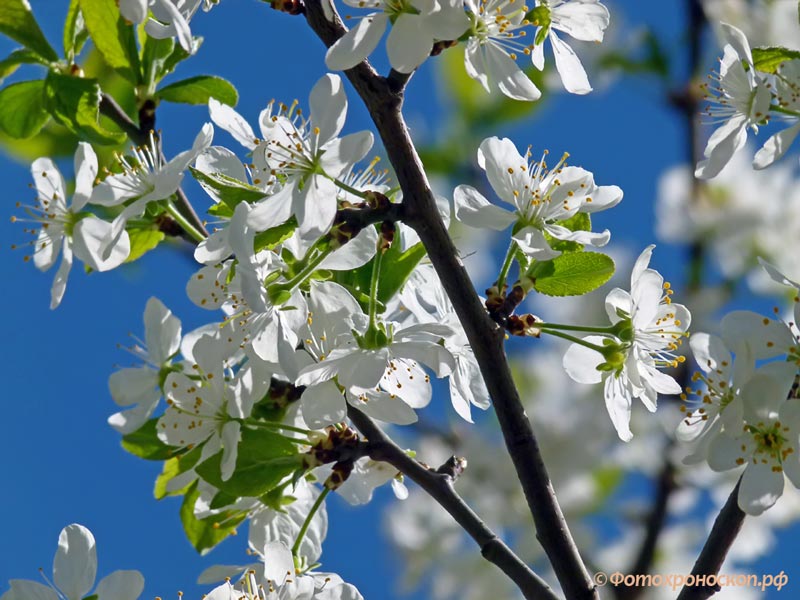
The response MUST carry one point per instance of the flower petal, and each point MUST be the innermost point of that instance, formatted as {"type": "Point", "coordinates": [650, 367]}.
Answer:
{"type": "Point", "coordinates": [760, 488]}
{"type": "Point", "coordinates": [120, 585]}
{"type": "Point", "coordinates": [75, 563]}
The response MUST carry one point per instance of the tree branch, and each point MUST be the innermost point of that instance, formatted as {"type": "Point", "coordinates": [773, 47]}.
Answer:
{"type": "Point", "coordinates": [723, 533]}
{"type": "Point", "coordinates": [486, 339]}
{"type": "Point", "coordinates": [439, 485]}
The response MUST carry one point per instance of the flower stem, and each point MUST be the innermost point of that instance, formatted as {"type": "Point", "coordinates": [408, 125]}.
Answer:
{"type": "Point", "coordinates": [571, 338]}
{"type": "Point", "coordinates": [501, 278]}
{"type": "Point", "coordinates": [784, 111]}
{"type": "Point", "coordinates": [348, 188]}
{"type": "Point", "coordinates": [606, 330]}
{"type": "Point", "coordinates": [373, 287]}
{"type": "Point", "coordinates": [307, 523]}
{"type": "Point", "coordinates": [303, 274]}
{"type": "Point", "coordinates": [184, 223]}
{"type": "Point", "coordinates": [280, 426]}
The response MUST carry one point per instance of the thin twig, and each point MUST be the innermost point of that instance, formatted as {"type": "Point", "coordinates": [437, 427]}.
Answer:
{"type": "Point", "coordinates": [439, 485]}
{"type": "Point", "coordinates": [486, 339]}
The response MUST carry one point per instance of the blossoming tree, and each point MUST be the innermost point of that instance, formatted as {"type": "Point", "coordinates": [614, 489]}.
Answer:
{"type": "Point", "coordinates": [341, 314]}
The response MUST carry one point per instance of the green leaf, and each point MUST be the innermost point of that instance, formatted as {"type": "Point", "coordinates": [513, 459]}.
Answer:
{"type": "Point", "coordinates": [173, 467]}
{"type": "Point", "coordinates": [396, 268]}
{"type": "Point", "coordinates": [75, 103]}
{"type": "Point", "coordinates": [142, 241]}
{"type": "Point", "coordinates": [144, 443]}
{"type": "Point", "coordinates": [267, 240]}
{"type": "Point", "coordinates": [22, 109]}
{"type": "Point", "coordinates": [198, 90]}
{"type": "Point", "coordinates": [112, 36]}
{"type": "Point", "coordinates": [72, 26]}
{"type": "Point", "coordinates": [768, 59]}
{"type": "Point", "coordinates": [572, 274]}
{"type": "Point", "coordinates": [206, 533]}
{"type": "Point", "coordinates": [18, 23]}
{"type": "Point", "coordinates": [227, 189]}
{"type": "Point", "coordinates": [264, 458]}
{"type": "Point", "coordinates": [18, 57]}
{"type": "Point", "coordinates": [577, 222]}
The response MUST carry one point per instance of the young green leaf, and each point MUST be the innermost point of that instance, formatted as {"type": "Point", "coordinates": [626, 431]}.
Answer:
{"type": "Point", "coordinates": [206, 533]}
{"type": "Point", "coordinates": [227, 189]}
{"type": "Point", "coordinates": [74, 102]}
{"type": "Point", "coordinates": [18, 23]}
{"type": "Point", "coordinates": [396, 267]}
{"type": "Point", "coordinates": [72, 27]}
{"type": "Point", "coordinates": [198, 90]}
{"type": "Point", "coordinates": [144, 443]}
{"type": "Point", "coordinates": [264, 459]}
{"type": "Point", "coordinates": [577, 222]}
{"type": "Point", "coordinates": [142, 241]}
{"type": "Point", "coordinates": [22, 109]}
{"type": "Point", "coordinates": [267, 240]}
{"type": "Point", "coordinates": [18, 57]}
{"type": "Point", "coordinates": [112, 37]}
{"type": "Point", "coordinates": [769, 59]}
{"type": "Point", "coordinates": [177, 465]}
{"type": "Point", "coordinates": [572, 274]}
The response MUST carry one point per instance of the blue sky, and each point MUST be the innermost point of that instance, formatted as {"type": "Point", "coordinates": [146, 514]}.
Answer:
{"type": "Point", "coordinates": [63, 464]}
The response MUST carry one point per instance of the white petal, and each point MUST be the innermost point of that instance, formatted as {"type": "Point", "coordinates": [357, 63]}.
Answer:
{"type": "Point", "coordinates": [618, 405]}
{"type": "Point", "coordinates": [93, 242]}
{"type": "Point", "coordinates": [509, 78]}
{"type": "Point", "coordinates": [357, 44]}
{"type": "Point", "coordinates": [60, 280]}
{"type": "Point", "coordinates": [75, 563]}
{"type": "Point", "coordinates": [22, 589]}
{"type": "Point", "coordinates": [271, 211]}
{"type": "Point", "coordinates": [775, 147]}
{"type": "Point", "coordinates": [120, 585]}
{"type": "Point", "coordinates": [534, 245]}
{"type": "Point", "coordinates": [134, 11]}
{"type": "Point", "coordinates": [569, 66]}
{"type": "Point", "coordinates": [230, 447]}
{"type": "Point", "coordinates": [381, 406]}
{"type": "Point", "coordinates": [474, 210]}
{"type": "Point", "coordinates": [353, 254]}
{"type": "Point", "coordinates": [409, 43]}
{"type": "Point", "coordinates": [581, 362]}
{"type": "Point", "coordinates": [342, 153]}
{"type": "Point", "coordinates": [278, 561]}
{"type": "Point", "coordinates": [85, 175]}
{"type": "Point", "coordinates": [328, 104]}
{"type": "Point", "coordinates": [760, 488]}
{"type": "Point", "coordinates": [162, 331]}
{"type": "Point", "coordinates": [134, 385]}
{"type": "Point", "coordinates": [766, 337]}
{"type": "Point", "coordinates": [721, 146]}
{"type": "Point", "coordinates": [323, 405]}
{"type": "Point", "coordinates": [231, 121]}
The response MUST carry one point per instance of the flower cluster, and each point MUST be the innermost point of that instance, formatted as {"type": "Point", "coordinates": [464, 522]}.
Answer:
{"type": "Point", "coordinates": [494, 32]}
{"type": "Point", "coordinates": [751, 89]}
{"type": "Point", "coordinates": [745, 410]}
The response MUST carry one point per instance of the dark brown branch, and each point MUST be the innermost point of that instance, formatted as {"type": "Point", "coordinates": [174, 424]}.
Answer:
{"type": "Point", "coordinates": [723, 534]}
{"type": "Point", "coordinates": [486, 339]}
{"type": "Point", "coordinates": [439, 486]}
